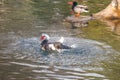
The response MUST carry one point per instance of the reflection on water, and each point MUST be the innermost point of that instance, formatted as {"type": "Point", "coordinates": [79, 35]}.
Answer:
{"type": "Point", "coordinates": [21, 24]}
{"type": "Point", "coordinates": [114, 25]}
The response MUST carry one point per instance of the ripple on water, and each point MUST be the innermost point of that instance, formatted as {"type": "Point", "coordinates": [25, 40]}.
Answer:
{"type": "Point", "coordinates": [84, 52]}
{"type": "Point", "coordinates": [69, 64]}
{"type": "Point", "coordinates": [70, 73]}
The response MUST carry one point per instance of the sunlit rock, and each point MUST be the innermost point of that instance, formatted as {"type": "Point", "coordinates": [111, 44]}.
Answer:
{"type": "Point", "coordinates": [112, 11]}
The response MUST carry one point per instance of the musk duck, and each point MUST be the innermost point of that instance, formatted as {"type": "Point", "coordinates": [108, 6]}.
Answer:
{"type": "Point", "coordinates": [52, 46]}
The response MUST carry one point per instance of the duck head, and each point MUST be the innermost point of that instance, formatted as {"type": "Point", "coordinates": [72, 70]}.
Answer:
{"type": "Point", "coordinates": [44, 41]}
{"type": "Point", "coordinates": [74, 3]}
{"type": "Point", "coordinates": [44, 37]}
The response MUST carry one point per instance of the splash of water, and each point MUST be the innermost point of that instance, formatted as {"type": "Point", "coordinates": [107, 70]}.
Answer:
{"type": "Point", "coordinates": [84, 51]}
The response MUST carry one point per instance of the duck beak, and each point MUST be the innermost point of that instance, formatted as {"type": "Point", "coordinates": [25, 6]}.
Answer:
{"type": "Point", "coordinates": [70, 3]}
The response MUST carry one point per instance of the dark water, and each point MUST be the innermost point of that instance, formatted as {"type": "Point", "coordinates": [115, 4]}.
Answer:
{"type": "Point", "coordinates": [21, 58]}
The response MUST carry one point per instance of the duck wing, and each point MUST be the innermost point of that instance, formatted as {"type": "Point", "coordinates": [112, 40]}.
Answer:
{"type": "Point", "coordinates": [65, 47]}
{"type": "Point", "coordinates": [61, 40]}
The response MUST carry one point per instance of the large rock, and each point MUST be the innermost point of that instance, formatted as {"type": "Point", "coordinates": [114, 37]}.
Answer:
{"type": "Point", "coordinates": [112, 11]}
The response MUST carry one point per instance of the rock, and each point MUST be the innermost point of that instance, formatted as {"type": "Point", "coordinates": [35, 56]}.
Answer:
{"type": "Point", "coordinates": [112, 11]}
{"type": "Point", "coordinates": [81, 21]}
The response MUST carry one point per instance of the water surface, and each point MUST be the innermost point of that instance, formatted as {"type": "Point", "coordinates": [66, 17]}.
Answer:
{"type": "Point", "coordinates": [21, 24]}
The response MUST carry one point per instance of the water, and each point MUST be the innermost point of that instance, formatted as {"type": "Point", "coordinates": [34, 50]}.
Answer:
{"type": "Point", "coordinates": [22, 59]}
